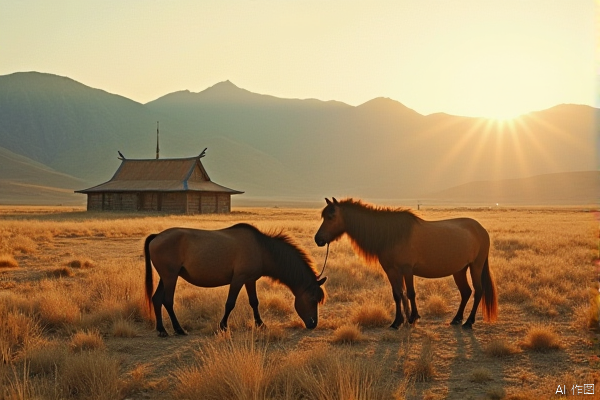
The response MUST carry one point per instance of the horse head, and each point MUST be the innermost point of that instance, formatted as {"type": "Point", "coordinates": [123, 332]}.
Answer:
{"type": "Point", "coordinates": [307, 303]}
{"type": "Point", "coordinates": [333, 225]}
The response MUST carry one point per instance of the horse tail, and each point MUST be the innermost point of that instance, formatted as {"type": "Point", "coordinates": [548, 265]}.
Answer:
{"type": "Point", "coordinates": [489, 298]}
{"type": "Point", "coordinates": [149, 283]}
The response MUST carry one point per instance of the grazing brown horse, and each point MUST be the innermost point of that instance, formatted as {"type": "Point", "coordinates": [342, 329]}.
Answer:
{"type": "Point", "coordinates": [236, 256]}
{"type": "Point", "coordinates": [406, 246]}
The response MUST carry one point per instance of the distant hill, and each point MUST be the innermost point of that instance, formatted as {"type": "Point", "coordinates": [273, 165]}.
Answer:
{"type": "Point", "coordinates": [26, 181]}
{"type": "Point", "coordinates": [383, 148]}
{"type": "Point", "coordinates": [267, 146]}
{"type": "Point", "coordinates": [550, 189]}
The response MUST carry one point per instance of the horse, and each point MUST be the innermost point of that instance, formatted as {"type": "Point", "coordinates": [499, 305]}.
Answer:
{"type": "Point", "coordinates": [407, 246]}
{"type": "Point", "coordinates": [236, 256]}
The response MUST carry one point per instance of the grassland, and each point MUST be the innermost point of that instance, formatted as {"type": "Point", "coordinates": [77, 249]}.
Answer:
{"type": "Point", "coordinates": [73, 322]}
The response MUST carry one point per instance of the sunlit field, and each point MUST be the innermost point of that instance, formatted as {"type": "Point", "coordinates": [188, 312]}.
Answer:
{"type": "Point", "coordinates": [73, 322]}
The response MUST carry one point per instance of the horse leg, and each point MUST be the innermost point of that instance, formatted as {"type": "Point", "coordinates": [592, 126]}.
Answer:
{"type": "Point", "coordinates": [476, 280]}
{"type": "Point", "coordinates": [398, 292]}
{"type": "Point", "coordinates": [234, 289]}
{"type": "Point", "coordinates": [168, 302]}
{"type": "Point", "coordinates": [157, 302]}
{"type": "Point", "coordinates": [405, 300]}
{"type": "Point", "coordinates": [460, 278]}
{"type": "Point", "coordinates": [253, 298]}
{"type": "Point", "coordinates": [411, 294]}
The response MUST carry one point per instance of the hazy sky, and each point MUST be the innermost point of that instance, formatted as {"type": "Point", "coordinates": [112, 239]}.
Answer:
{"type": "Point", "coordinates": [463, 57]}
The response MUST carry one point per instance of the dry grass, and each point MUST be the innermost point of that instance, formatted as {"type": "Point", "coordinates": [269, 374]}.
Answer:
{"type": "Point", "coordinates": [436, 306]}
{"type": "Point", "coordinates": [542, 262]}
{"type": "Point", "coordinates": [500, 348]}
{"type": "Point", "coordinates": [591, 314]}
{"type": "Point", "coordinates": [542, 338]}
{"type": "Point", "coordinates": [86, 340]}
{"type": "Point", "coordinates": [371, 315]}
{"type": "Point", "coordinates": [278, 305]}
{"type": "Point", "coordinates": [79, 264]}
{"type": "Point", "coordinates": [421, 369]}
{"type": "Point", "coordinates": [8, 261]}
{"type": "Point", "coordinates": [124, 328]}
{"type": "Point", "coordinates": [347, 334]}
{"type": "Point", "coordinates": [89, 375]}
{"type": "Point", "coordinates": [225, 370]}
{"type": "Point", "coordinates": [496, 393]}
{"type": "Point", "coordinates": [481, 375]}
{"type": "Point", "coordinates": [60, 272]}
{"type": "Point", "coordinates": [275, 333]}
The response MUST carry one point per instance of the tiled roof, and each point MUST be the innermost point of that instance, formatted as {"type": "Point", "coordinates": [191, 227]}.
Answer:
{"type": "Point", "coordinates": [162, 175]}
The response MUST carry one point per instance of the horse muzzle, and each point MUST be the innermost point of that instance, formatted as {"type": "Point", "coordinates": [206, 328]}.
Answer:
{"type": "Point", "coordinates": [320, 241]}
{"type": "Point", "coordinates": [311, 323]}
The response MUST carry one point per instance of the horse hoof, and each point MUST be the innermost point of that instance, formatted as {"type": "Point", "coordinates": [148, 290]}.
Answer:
{"type": "Point", "coordinates": [394, 326]}
{"type": "Point", "coordinates": [163, 334]}
{"type": "Point", "coordinates": [456, 322]}
{"type": "Point", "coordinates": [260, 326]}
{"type": "Point", "coordinates": [467, 326]}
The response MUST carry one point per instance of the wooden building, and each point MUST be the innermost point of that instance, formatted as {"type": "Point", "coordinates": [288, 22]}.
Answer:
{"type": "Point", "coordinates": [177, 185]}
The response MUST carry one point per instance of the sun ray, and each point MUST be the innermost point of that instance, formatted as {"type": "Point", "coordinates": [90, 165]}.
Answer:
{"type": "Point", "coordinates": [454, 153]}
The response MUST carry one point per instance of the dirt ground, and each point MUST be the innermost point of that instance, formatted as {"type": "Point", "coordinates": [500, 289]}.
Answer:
{"type": "Point", "coordinates": [461, 366]}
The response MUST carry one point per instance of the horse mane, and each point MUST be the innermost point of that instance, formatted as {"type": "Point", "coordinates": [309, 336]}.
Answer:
{"type": "Point", "coordinates": [291, 261]}
{"type": "Point", "coordinates": [373, 229]}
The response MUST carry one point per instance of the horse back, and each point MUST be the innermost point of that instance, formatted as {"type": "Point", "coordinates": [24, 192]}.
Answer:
{"type": "Point", "coordinates": [206, 258]}
{"type": "Point", "coordinates": [440, 248]}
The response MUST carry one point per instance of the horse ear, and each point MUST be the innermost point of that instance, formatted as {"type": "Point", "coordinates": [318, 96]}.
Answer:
{"type": "Point", "coordinates": [322, 281]}
{"type": "Point", "coordinates": [334, 200]}
{"type": "Point", "coordinates": [327, 201]}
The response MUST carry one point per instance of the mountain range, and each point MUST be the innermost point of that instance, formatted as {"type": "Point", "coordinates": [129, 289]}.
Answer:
{"type": "Point", "coordinates": [57, 135]}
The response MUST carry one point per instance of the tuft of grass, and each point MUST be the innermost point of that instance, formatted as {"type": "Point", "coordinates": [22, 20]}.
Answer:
{"type": "Point", "coordinates": [275, 333]}
{"type": "Point", "coordinates": [55, 310]}
{"type": "Point", "coordinates": [347, 334]}
{"type": "Point", "coordinates": [80, 264]}
{"type": "Point", "coordinates": [370, 315]}
{"type": "Point", "coordinates": [89, 375]}
{"type": "Point", "coordinates": [421, 369]}
{"type": "Point", "coordinates": [45, 358]}
{"type": "Point", "coordinates": [24, 244]}
{"type": "Point", "coordinates": [541, 338]}
{"type": "Point", "coordinates": [227, 370]}
{"type": "Point", "coordinates": [136, 380]}
{"type": "Point", "coordinates": [481, 375]}
{"type": "Point", "coordinates": [496, 393]}
{"type": "Point", "coordinates": [17, 330]}
{"type": "Point", "coordinates": [277, 306]}
{"type": "Point", "coordinates": [500, 348]}
{"type": "Point", "coordinates": [328, 373]}
{"type": "Point", "coordinates": [436, 306]}
{"type": "Point", "coordinates": [8, 261]}
{"type": "Point", "coordinates": [86, 340]}
{"type": "Point", "coordinates": [60, 272]}
{"type": "Point", "coordinates": [124, 329]}
{"type": "Point", "coordinates": [515, 292]}
{"type": "Point", "coordinates": [592, 314]}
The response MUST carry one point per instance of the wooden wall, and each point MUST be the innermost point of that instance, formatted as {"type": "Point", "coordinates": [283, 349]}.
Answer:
{"type": "Point", "coordinates": [174, 202]}
{"type": "Point", "coordinates": [168, 202]}
{"type": "Point", "coordinates": [223, 203]}
{"type": "Point", "coordinates": [94, 201]}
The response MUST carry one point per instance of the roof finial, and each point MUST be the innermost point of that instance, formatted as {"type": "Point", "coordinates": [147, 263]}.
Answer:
{"type": "Point", "coordinates": [121, 156]}
{"type": "Point", "coordinates": [157, 150]}
{"type": "Point", "coordinates": [203, 153]}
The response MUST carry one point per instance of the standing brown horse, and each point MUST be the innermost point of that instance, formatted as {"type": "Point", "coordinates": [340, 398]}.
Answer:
{"type": "Point", "coordinates": [236, 256]}
{"type": "Point", "coordinates": [406, 245]}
